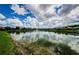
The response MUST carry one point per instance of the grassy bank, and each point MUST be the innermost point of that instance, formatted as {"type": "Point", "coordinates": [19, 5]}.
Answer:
{"type": "Point", "coordinates": [6, 45]}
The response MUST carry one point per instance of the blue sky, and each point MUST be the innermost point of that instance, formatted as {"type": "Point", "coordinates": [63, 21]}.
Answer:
{"type": "Point", "coordinates": [8, 13]}
{"type": "Point", "coordinates": [39, 15]}
{"type": "Point", "coordinates": [6, 10]}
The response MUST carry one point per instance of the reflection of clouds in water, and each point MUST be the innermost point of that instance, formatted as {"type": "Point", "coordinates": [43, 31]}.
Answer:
{"type": "Point", "coordinates": [71, 40]}
{"type": "Point", "coordinates": [16, 36]}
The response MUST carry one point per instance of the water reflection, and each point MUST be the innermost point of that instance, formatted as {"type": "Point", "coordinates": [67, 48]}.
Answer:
{"type": "Point", "coordinates": [71, 40]}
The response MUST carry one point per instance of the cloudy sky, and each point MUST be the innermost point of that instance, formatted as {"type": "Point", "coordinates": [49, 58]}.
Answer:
{"type": "Point", "coordinates": [38, 15]}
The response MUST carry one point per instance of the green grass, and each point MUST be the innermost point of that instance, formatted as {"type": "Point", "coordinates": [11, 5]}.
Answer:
{"type": "Point", "coordinates": [6, 45]}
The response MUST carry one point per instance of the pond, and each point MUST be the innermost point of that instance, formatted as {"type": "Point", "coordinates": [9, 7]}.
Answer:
{"type": "Point", "coordinates": [71, 40]}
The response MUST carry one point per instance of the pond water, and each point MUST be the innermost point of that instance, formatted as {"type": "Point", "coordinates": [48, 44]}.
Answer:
{"type": "Point", "coordinates": [71, 40]}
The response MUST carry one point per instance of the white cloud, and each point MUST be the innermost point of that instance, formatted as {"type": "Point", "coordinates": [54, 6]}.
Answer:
{"type": "Point", "coordinates": [19, 10]}
{"type": "Point", "coordinates": [11, 23]}
{"type": "Point", "coordinates": [15, 22]}
{"type": "Point", "coordinates": [2, 16]}
{"type": "Point", "coordinates": [47, 16]}
{"type": "Point", "coordinates": [42, 11]}
{"type": "Point", "coordinates": [67, 8]}
{"type": "Point", "coordinates": [74, 13]}
{"type": "Point", "coordinates": [31, 22]}
{"type": "Point", "coordinates": [3, 23]}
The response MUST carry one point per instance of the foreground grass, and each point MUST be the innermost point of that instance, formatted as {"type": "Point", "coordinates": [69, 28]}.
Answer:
{"type": "Point", "coordinates": [6, 45]}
